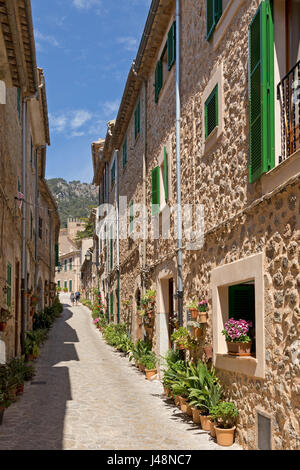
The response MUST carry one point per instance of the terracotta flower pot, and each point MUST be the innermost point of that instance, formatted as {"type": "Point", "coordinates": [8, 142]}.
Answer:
{"type": "Point", "coordinates": [196, 415]}
{"type": "Point", "coordinates": [150, 373]}
{"type": "Point", "coordinates": [225, 437]}
{"type": "Point", "coordinates": [183, 404]}
{"type": "Point", "coordinates": [177, 400]}
{"type": "Point", "coordinates": [205, 422]}
{"type": "Point", "coordinates": [197, 332]}
{"type": "Point", "coordinates": [212, 429]}
{"type": "Point", "coordinates": [239, 349]}
{"type": "Point", "coordinates": [203, 317]}
{"type": "Point", "coordinates": [20, 389]}
{"type": "Point", "coordinates": [2, 326]}
{"type": "Point", "coordinates": [194, 313]}
{"type": "Point", "coordinates": [189, 410]}
{"type": "Point", "coordinates": [181, 347]}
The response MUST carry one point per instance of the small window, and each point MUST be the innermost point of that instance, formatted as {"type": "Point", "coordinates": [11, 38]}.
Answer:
{"type": "Point", "coordinates": [211, 112]}
{"type": "Point", "coordinates": [66, 284]}
{"type": "Point", "coordinates": [137, 121]}
{"type": "Point", "coordinates": [66, 265]}
{"type": "Point", "coordinates": [70, 286]}
{"type": "Point", "coordinates": [71, 264]}
{"type": "Point", "coordinates": [124, 152]}
{"type": "Point", "coordinates": [242, 306]}
{"type": "Point", "coordinates": [214, 10]}
{"type": "Point", "coordinates": [155, 187]}
{"type": "Point", "coordinates": [58, 284]}
{"type": "Point", "coordinates": [113, 173]}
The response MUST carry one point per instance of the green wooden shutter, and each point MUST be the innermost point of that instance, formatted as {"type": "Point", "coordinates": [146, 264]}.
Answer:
{"type": "Point", "coordinates": [261, 92]}
{"type": "Point", "coordinates": [8, 294]}
{"type": "Point", "coordinates": [172, 46]}
{"type": "Point", "coordinates": [111, 248]}
{"type": "Point", "coordinates": [111, 304]}
{"type": "Point", "coordinates": [137, 120]}
{"type": "Point", "coordinates": [158, 78]}
{"type": "Point", "coordinates": [70, 286]}
{"type": "Point", "coordinates": [218, 10]}
{"type": "Point", "coordinates": [242, 302]}
{"type": "Point", "coordinates": [155, 191]}
{"type": "Point", "coordinates": [56, 255]}
{"type": "Point", "coordinates": [210, 18]}
{"type": "Point", "coordinates": [213, 14]}
{"type": "Point", "coordinates": [166, 174]}
{"type": "Point", "coordinates": [211, 112]}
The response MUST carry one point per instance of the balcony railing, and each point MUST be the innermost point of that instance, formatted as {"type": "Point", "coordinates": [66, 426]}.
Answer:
{"type": "Point", "coordinates": [288, 92]}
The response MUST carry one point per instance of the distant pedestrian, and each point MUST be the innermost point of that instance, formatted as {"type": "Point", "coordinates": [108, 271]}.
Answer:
{"type": "Point", "coordinates": [72, 298]}
{"type": "Point", "coordinates": [77, 297]}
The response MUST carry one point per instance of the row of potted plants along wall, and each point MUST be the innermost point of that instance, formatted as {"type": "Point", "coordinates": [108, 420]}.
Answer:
{"type": "Point", "coordinates": [16, 372]}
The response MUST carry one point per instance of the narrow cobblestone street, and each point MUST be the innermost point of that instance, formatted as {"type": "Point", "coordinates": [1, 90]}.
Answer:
{"type": "Point", "coordinates": [86, 396]}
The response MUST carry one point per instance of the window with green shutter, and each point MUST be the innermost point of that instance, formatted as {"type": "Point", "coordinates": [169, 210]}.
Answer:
{"type": "Point", "coordinates": [158, 78]}
{"type": "Point", "coordinates": [137, 121]}
{"type": "Point", "coordinates": [172, 46]}
{"type": "Point", "coordinates": [131, 217]}
{"type": "Point", "coordinates": [155, 191]}
{"type": "Point", "coordinates": [70, 286]}
{"type": "Point", "coordinates": [241, 305]}
{"type": "Point", "coordinates": [66, 265]}
{"type": "Point", "coordinates": [166, 174]}
{"type": "Point", "coordinates": [111, 248]}
{"type": "Point", "coordinates": [70, 264]}
{"type": "Point", "coordinates": [261, 92]}
{"type": "Point", "coordinates": [125, 152]}
{"type": "Point", "coordinates": [113, 173]}
{"type": "Point", "coordinates": [66, 285]}
{"type": "Point", "coordinates": [57, 255]}
{"type": "Point", "coordinates": [58, 284]}
{"type": "Point", "coordinates": [214, 11]}
{"type": "Point", "coordinates": [8, 285]}
{"type": "Point", "coordinates": [211, 110]}
{"type": "Point", "coordinates": [112, 305]}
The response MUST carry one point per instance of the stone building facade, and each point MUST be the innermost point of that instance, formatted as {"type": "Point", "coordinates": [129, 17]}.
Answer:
{"type": "Point", "coordinates": [239, 161]}
{"type": "Point", "coordinates": [68, 272]}
{"type": "Point", "coordinates": [26, 267]}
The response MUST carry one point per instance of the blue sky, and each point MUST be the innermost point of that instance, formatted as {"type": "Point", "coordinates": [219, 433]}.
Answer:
{"type": "Point", "coordinates": [86, 48]}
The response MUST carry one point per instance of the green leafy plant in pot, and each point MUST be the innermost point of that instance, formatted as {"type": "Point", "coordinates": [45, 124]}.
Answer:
{"type": "Point", "coordinates": [182, 338]}
{"type": "Point", "coordinates": [224, 415]}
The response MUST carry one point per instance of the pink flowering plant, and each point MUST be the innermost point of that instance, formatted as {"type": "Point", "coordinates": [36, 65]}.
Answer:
{"type": "Point", "coordinates": [203, 305]}
{"type": "Point", "coordinates": [236, 331]}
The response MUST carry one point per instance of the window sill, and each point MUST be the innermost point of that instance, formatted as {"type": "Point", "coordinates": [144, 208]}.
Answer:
{"type": "Point", "coordinates": [243, 365]}
{"type": "Point", "coordinates": [281, 174]}
{"type": "Point", "coordinates": [212, 139]}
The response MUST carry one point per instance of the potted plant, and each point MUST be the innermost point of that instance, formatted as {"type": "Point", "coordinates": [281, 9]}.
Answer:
{"type": "Point", "coordinates": [202, 308]}
{"type": "Point", "coordinates": [5, 316]}
{"type": "Point", "coordinates": [182, 338]}
{"type": "Point", "coordinates": [237, 339]}
{"type": "Point", "coordinates": [193, 308]}
{"type": "Point", "coordinates": [197, 329]}
{"type": "Point", "coordinates": [224, 416]}
{"type": "Point", "coordinates": [4, 403]}
{"type": "Point", "coordinates": [150, 365]}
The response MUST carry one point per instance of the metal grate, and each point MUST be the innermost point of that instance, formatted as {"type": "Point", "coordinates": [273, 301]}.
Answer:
{"type": "Point", "coordinates": [264, 432]}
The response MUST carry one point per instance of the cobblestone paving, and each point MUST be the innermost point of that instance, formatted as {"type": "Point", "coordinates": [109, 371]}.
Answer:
{"type": "Point", "coordinates": [86, 396]}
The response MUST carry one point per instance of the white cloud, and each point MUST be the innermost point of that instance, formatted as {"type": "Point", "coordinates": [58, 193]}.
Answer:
{"type": "Point", "coordinates": [110, 108]}
{"type": "Point", "coordinates": [58, 123]}
{"type": "Point", "coordinates": [80, 117]}
{"type": "Point", "coordinates": [86, 4]}
{"type": "Point", "coordinates": [130, 43]}
{"type": "Point", "coordinates": [40, 38]}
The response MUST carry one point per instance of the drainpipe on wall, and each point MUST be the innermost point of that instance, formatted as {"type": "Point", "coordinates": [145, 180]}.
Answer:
{"type": "Point", "coordinates": [118, 236]}
{"type": "Point", "coordinates": [178, 169]}
{"type": "Point", "coordinates": [50, 249]}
